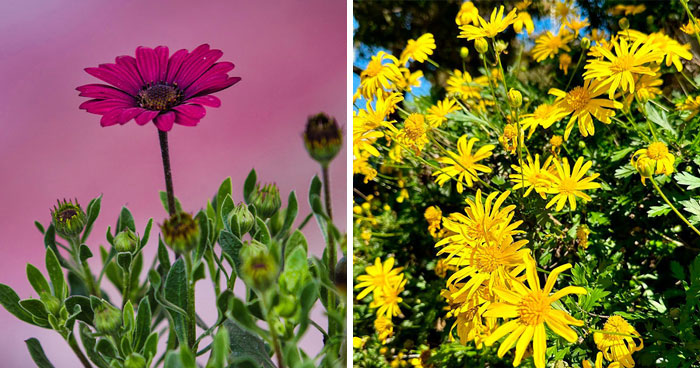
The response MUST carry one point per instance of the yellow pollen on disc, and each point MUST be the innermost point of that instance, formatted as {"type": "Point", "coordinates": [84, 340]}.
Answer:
{"type": "Point", "coordinates": [622, 64]}
{"type": "Point", "coordinates": [487, 258]}
{"type": "Point", "coordinates": [373, 68]}
{"type": "Point", "coordinates": [578, 98]}
{"type": "Point", "coordinates": [534, 308]}
{"type": "Point", "coordinates": [414, 127]}
{"type": "Point", "coordinates": [567, 186]}
{"type": "Point", "coordinates": [657, 151]}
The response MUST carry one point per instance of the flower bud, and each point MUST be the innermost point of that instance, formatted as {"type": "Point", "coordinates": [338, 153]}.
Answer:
{"type": "Point", "coordinates": [464, 53]}
{"type": "Point", "coordinates": [259, 269]}
{"type": "Point", "coordinates": [180, 232]}
{"type": "Point", "coordinates": [266, 200]}
{"type": "Point", "coordinates": [241, 219]}
{"type": "Point", "coordinates": [585, 43]}
{"type": "Point", "coordinates": [68, 219]}
{"type": "Point", "coordinates": [645, 166]}
{"type": "Point", "coordinates": [481, 45]}
{"type": "Point", "coordinates": [107, 318]}
{"type": "Point", "coordinates": [135, 360]}
{"type": "Point", "coordinates": [624, 23]}
{"type": "Point", "coordinates": [52, 304]}
{"type": "Point", "coordinates": [322, 138]}
{"type": "Point", "coordinates": [287, 306]}
{"type": "Point", "coordinates": [515, 98]}
{"type": "Point", "coordinates": [126, 241]}
{"type": "Point", "coordinates": [582, 232]}
{"type": "Point", "coordinates": [340, 276]}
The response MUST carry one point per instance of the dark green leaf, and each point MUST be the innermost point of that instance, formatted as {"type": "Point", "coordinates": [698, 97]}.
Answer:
{"type": "Point", "coordinates": [40, 227]}
{"type": "Point", "coordinates": [143, 324]}
{"type": "Point", "coordinates": [146, 234]}
{"type": "Point", "coordinates": [175, 291]}
{"type": "Point", "coordinates": [245, 344]}
{"type": "Point", "coordinates": [106, 348]}
{"type": "Point", "coordinates": [37, 353]}
{"type": "Point", "coordinates": [86, 314]}
{"type": "Point", "coordinates": [163, 257]}
{"type": "Point", "coordinates": [231, 245]}
{"type": "Point", "coordinates": [297, 240]}
{"type": "Point", "coordinates": [60, 290]}
{"type": "Point", "coordinates": [90, 343]}
{"type": "Point", "coordinates": [37, 280]}
{"type": "Point", "coordinates": [290, 213]}
{"type": "Point", "coordinates": [35, 307]}
{"type": "Point", "coordinates": [263, 233]}
{"type": "Point", "coordinates": [85, 252]}
{"type": "Point", "coordinates": [249, 186]}
{"type": "Point", "coordinates": [93, 210]}
{"type": "Point", "coordinates": [126, 220]}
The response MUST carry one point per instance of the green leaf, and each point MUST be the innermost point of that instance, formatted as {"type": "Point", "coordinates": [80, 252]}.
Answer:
{"type": "Point", "coordinates": [163, 257]}
{"type": "Point", "coordinates": [307, 299]}
{"type": "Point", "coordinates": [656, 211]}
{"type": "Point", "coordinates": [219, 350]}
{"type": "Point", "coordinates": [685, 178]}
{"type": "Point", "coordinates": [126, 220]}
{"type": "Point", "coordinates": [249, 186]}
{"type": "Point", "coordinates": [89, 342]}
{"type": "Point", "coordinates": [231, 245]}
{"type": "Point", "coordinates": [128, 317]}
{"type": "Point", "coordinates": [290, 213]}
{"type": "Point", "coordinates": [625, 171]}
{"type": "Point", "coordinates": [243, 316]}
{"type": "Point", "coordinates": [86, 315]}
{"type": "Point", "coordinates": [245, 344]}
{"type": "Point", "coordinates": [143, 324]}
{"type": "Point", "coordinates": [150, 348]}
{"type": "Point", "coordinates": [692, 205]}
{"type": "Point", "coordinates": [40, 227]}
{"type": "Point", "coordinates": [203, 221]}
{"type": "Point", "coordinates": [619, 155]}
{"type": "Point", "coordinates": [37, 353]}
{"type": "Point", "coordinates": [124, 261]}
{"type": "Point", "coordinates": [225, 190]}
{"type": "Point", "coordinates": [296, 271]}
{"type": "Point", "coordinates": [93, 210]}
{"type": "Point", "coordinates": [106, 348]}
{"type": "Point", "coordinates": [263, 233]}
{"type": "Point", "coordinates": [659, 118]}
{"type": "Point", "coordinates": [146, 234]}
{"type": "Point", "coordinates": [85, 253]}
{"type": "Point", "coordinates": [50, 243]}
{"type": "Point", "coordinates": [37, 280]}
{"type": "Point", "coordinates": [677, 270]}
{"type": "Point", "coordinates": [164, 201]}
{"type": "Point", "coordinates": [175, 290]}
{"type": "Point", "coordinates": [60, 290]}
{"type": "Point", "coordinates": [35, 307]}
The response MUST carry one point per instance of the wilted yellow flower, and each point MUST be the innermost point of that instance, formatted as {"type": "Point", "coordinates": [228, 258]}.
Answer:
{"type": "Point", "coordinates": [582, 104]}
{"type": "Point", "coordinates": [656, 156]}
{"type": "Point", "coordinates": [433, 215]}
{"type": "Point", "coordinates": [384, 328]}
{"type": "Point", "coordinates": [564, 63]}
{"type": "Point", "coordinates": [509, 138]}
{"type": "Point", "coordinates": [691, 104]}
{"type": "Point", "coordinates": [619, 344]}
{"type": "Point", "coordinates": [628, 9]}
{"type": "Point", "coordinates": [548, 45]}
{"type": "Point", "coordinates": [582, 232]}
{"type": "Point", "coordinates": [413, 132]}
{"type": "Point", "coordinates": [467, 14]}
{"type": "Point", "coordinates": [379, 75]}
{"type": "Point", "coordinates": [419, 49]}
{"type": "Point", "coordinates": [496, 24]}
{"type": "Point", "coordinates": [544, 115]}
{"type": "Point", "coordinates": [533, 176]}
{"type": "Point", "coordinates": [437, 112]}
{"type": "Point", "coordinates": [529, 308]}
{"type": "Point", "coordinates": [463, 165]}
{"type": "Point", "coordinates": [570, 183]}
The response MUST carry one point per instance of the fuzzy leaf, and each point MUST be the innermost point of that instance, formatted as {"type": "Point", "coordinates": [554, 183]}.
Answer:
{"type": "Point", "coordinates": [249, 186]}
{"type": "Point", "coordinates": [58, 282]}
{"type": "Point", "coordinates": [37, 280]}
{"type": "Point", "coordinates": [93, 210]}
{"type": "Point", "coordinates": [175, 289]}
{"type": "Point", "coordinates": [37, 353]}
{"type": "Point", "coordinates": [245, 344]}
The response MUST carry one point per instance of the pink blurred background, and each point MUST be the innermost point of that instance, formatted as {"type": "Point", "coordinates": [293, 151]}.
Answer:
{"type": "Point", "coordinates": [291, 55]}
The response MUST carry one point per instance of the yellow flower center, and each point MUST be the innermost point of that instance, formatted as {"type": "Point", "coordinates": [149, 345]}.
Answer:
{"type": "Point", "coordinates": [578, 98]}
{"type": "Point", "coordinates": [414, 128]}
{"type": "Point", "coordinates": [373, 68]}
{"type": "Point", "coordinates": [657, 151]}
{"type": "Point", "coordinates": [567, 186]}
{"type": "Point", "coordinates": [556, 141]}
{"type": "Point", "coordinates": [617, 324]}
{"type": "Point", "coordinates": [534, 308]}
{"type": "Point", "coordinates": [554, 43]}
{"type": "Point", "coordinates": [622, 64]}
{"type": "Point", "coordinates": [487, 258]}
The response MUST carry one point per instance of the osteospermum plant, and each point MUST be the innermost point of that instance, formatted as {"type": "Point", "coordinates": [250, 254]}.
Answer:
{"type": "Point", "coordinates": [153, 320]}
{"type": "Point", "coordinates": [509, 183]}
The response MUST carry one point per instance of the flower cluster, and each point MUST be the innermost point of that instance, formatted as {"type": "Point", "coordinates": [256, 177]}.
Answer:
{"type": "Point", "coordinates": [386, 284]}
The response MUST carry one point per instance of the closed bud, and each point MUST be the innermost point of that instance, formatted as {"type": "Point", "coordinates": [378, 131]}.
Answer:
{"type": "Point", "coordinates": [340, 275]}
{"type": "Point", "coordinates": [581, 144]}
{"type": "Point", "coordinates": [464, 53]}
{"type": "Point", "coordinates": [52, 304]}
{"type": "Point", "coordinates": [624, 23]}
{"type": "Point", "coordinates": [322, 138]}
{"type": "Point", "coordinates": [481, 45]}
{"type": "Point", "coordinates": [287, 306]}
{"type": "Point", "coordinates": [585, 43]}
{"type": "Point", "coordinates": [126, 241]}
{"type": "Point", "coordinates": [241, 219]}
{"type": "Point", "coordinates": [68, 218]}
{"type": "Point", "coordinates": [180, 232]}
{"type": "Point", "coordinates": [107, 318]}
{"type": "Point", "coordinates": [267, 200]}
{"type": "Point", "coordinates": [259, 269]}
{"type": "Point", "coordinates": [515, 98]}
{"type": "Point", "coordinates": [135, 360]}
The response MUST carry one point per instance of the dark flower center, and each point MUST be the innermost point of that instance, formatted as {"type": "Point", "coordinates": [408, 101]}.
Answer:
{"type": "Point", "coordinates": [67, 214]}
{"type": "Point", "coordinates": [159, 96]}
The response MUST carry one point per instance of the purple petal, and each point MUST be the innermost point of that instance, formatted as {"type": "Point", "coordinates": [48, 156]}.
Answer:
{"type": "Point", "coordinates": [129, 68]}
{"type": "Point", "coordinates": [103, 106]}
{"type": "Point", "coordinates": [129, 114]}
{"type": "Point", "coordinates": [103, 92]}
{"type": "Point", "coordinates": [174, 65]}
{"type": "Point", "coordinates": [162, 57]}
{"type": "Point", "coordinates": [111, 117]}
{"type": "Point", "coordinates": [112, 77]}
{"type": "Point", "coordinates": [147, 63]}
{"type": "Point", "coordinates": [185, 120]}
{"type": "Point", "coordinates": [216, 86]}
{"type": "Point", "coordinates": [188, 60]}
{"type": "Point", "coordinates": [164, 122]}
{"type": "Point", "coordinates": [191, 111]}
{"type": "Point", "coordinates": [145, 117]}
{"type": "Point", "coordinates": [217, 70]}
{"type": "Point", "coordinates": [207, 100]}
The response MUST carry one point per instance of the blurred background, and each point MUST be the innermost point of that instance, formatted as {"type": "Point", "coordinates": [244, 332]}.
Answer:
{"type": "Point", "coordinates": [291, 55]}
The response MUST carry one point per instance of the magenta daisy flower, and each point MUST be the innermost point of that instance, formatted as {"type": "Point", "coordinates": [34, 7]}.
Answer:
{"type": "Point", "coordinates": [155, 87]}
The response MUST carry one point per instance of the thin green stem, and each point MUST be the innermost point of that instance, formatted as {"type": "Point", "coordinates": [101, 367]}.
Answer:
{"type": "Point", "coordinates": [76, 349]}
{"type": "Point", "coordinates": [269, 316]}
{"type": "Point", "coordinates": [692, 19]}
{"type": "Point", "coordinates": [332, 251]}
{"type": "Point", "coordinates": [580, 58]}
{"type": "Point", "coordinates": [493, 90]}
{"type": "Point", "coordinates": [126, 292]}
{"type": "Point", "coordinates": [191, 316]}
{"type": "Point", "coordinates": [656, 186]}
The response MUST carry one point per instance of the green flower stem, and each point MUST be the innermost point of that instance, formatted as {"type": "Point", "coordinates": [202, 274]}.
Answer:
{"type": "Point", "coordinates": [578, 64]}
{"type": "Point", "coordinates": [76, 349]}
{"type": "Point", "coordinates": [332, 251]}
{"type": "Point", "coordinates": [503, 74]}
{"type": "Point", "coordinates": [692, 19]}
{"type": "Point", "coordinates": [656, 186]}
{"type": "Point", "coordinates": [191, 318]}
{"type": "Point", "coordinates": [85, 267]}
{"type": "Point", "coordinates": [493, 90]}
{"type": "Point", "coordinates": [269, 316]}
{"type": "Point", "coordinates": [163, 138]}
{"type": "Point", "coordinates": [127, 286]}
{"type": "Point", "coordinates": [327, 190]}
{"type": "Point", "coordinates": [433, 62]}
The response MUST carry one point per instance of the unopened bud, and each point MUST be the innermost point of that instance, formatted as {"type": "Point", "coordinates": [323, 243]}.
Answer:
{"type": "Point", "coordinates": [464, 53]}
{"type": "Point", "coordinates": [68, 218]}
{"type": "Point", "coordinates": [126, 241]}
{"type": "Point", "coordinates": [624, 23]}
{"type": "Point", "coordinates": [340, 276]}
{"type": "Point", "coordinates": [180, 232]}
{"type": "Point", "coordinates": [322, 138]}
{"type": "Point", "coordinates": [241, 220]}
{"type": "Point", "coordinates": [135, 360]}
{"type": "Point", "coordinates": [267, 200]}
{"type": "Point", "coordinates": [585, 43]}
{"type": "Point", "coordinates": [645, 166]}
{"type": "Point", "coordinates": [107, 318]}
{"type": "Point", "coordinates": [259, 269]}
{"type": "Point", "coordinates": [287, 306]}
{"type": "Point", "coordinates": [515, 98]}
{"type": "Point", "coordinates": [52, 304]}
{"type": "Point", "coordinates": [481, 45]}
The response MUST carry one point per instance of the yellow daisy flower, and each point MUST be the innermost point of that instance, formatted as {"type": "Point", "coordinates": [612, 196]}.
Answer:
{"type": "Point", "coordinates": [564, 63]}
{"type": "Point", "coordinates": [569, 183]}
{"type": "Point", "coordinates": [418, 50]}
{"type": "Point", "coordinates": [656, 155]}
{"type": "Point", "coordinates": [582, 104]}
{"type": "Point", "coordinates": [576, 24]}
{"type": "Point", "coordinates": [620, 67]}
{"type": "Point", "coordinates": [496, 24]}
{"type": "Point", "coordinates": [408, 79]}
{"type": "Point", "coordinates": [379, 75]}
{"type": "Point", "coordinates": [361, 166]}
{"type": "Point", "coordinates": [548, 45]}
{"type": "Point", "coordinates": [384, 328]}
{"type": "Point", "coordinates": [564, 8]}
{"type": "Point", "coordinates": [671, 50]}
{"type": "Point", "coordinates": [463, 164]}
{"type": "Point", "coordinates": [544, 115]}
{"type": "Point", "coordinates": [373, 117]}
{"type": "Point", "coordinates": [528, 309]}
{"type": "Point", "coordinates": [599, 362]}
{"type": "Point", "coordinates": [690, 104]}
{"type": "Point", "coordinates": [690, 28]}
{"type": "Point", "coordinates": [533, 176]}
{"type": "Point", "coordinates": [460, 84]}
{"type": "Point", "coordinates": [597, 35]}
{"type": "Point", "coordinates": [619, 344]}
{"type": "Point", "coordinates": [378, 276]}
{"type": "Point", "coordinates": [646, 88]}
{"type": "Point", "coordinates": [413, 133]}
{"type": "Point", "coordinates": [467, 14]}
{"type": "Point", "coordinates": [437, 112]}
{"type": "Point", "coordinates": [388, 299]}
